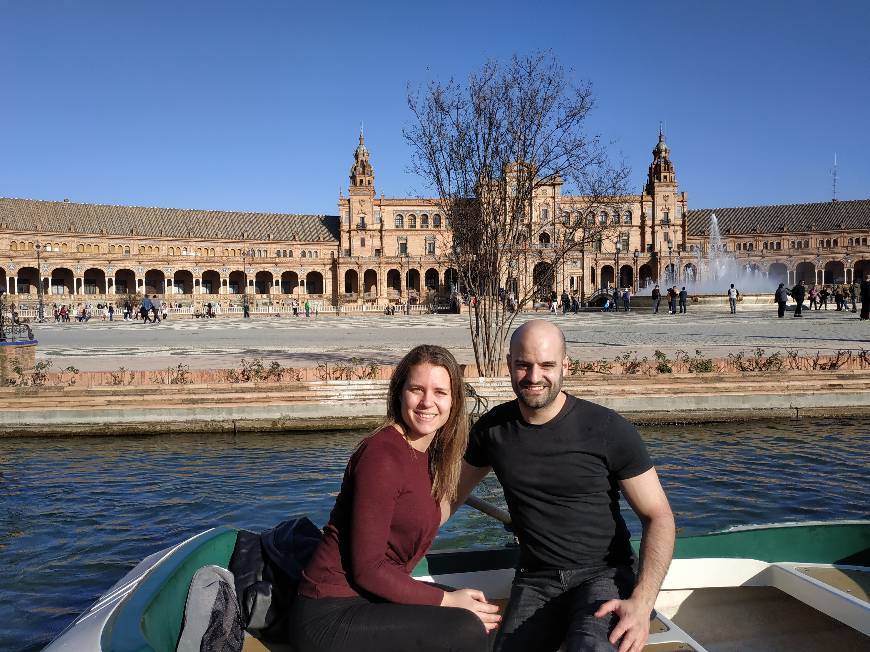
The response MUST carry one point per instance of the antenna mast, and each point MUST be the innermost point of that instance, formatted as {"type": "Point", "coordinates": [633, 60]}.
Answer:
{"type": "Point", "coordinates": [834, 175]}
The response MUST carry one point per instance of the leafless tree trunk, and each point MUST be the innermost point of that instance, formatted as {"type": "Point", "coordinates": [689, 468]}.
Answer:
{"type": "Point", "coordinates": [497, 150]}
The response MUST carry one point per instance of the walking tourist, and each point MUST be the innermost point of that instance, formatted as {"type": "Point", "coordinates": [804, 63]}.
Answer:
{"type": "Point", "coordinates": [683, 296]}
{"type": "Point", "coordinates": [824, 293]}
{"type": "Point", "coordinates": [853, 294]}
{"type": "Point", "coordinates": [781, 298]}
{"type": "Point", "coordinates": [566, 302]}
{"type": "Point", "coordinates": [865, 297]}
{"type": "Point", "coordinates": [562, 462]}
{"type": "Point", "coordinates": [616, 295]}
{"type": "Point", "coordinates": [626, 300]}
{"type": "Point", "coordinates": [357, 592]}
{"type": "Point", "coordinates": [144, 309]}
{"type": "Point", "coordinates": [656, 299]}
{"type": "Point", "coordinates": [155, 309]}
{"type": "Point", "coordinates": [111, 311]}
{"type": "Point", "coordinates": [307, 309]}
{"type": "Point", "coordinates": [672, 300]}
{"type": "Point", "coordinates": [838, 296]}
{"type": "Point", "coordinates": [798, 293]}
{"type": "Point", "coordinates": [733, 293]}
{"type": "Point", "coordinates": [814, 298]}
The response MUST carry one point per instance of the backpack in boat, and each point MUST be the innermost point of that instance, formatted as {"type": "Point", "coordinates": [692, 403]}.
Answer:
{"type": "Point", "coordinates": [267, 568]}
{"type": "Point", "coordinates": [211, 613]}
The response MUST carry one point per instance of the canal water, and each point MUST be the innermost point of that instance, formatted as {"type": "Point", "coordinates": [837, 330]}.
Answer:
{"type": "Point", "coordinates": [78, 513]}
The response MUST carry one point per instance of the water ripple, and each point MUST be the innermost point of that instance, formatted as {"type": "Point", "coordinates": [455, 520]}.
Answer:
{"type": "Point", "coordinates": [76, 514]}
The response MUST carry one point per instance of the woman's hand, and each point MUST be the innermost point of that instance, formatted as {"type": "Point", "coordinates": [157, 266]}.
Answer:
{"type": "Point", "coordinates": [475, 602]}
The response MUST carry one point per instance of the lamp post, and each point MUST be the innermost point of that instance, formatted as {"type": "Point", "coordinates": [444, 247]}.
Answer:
{"type": "Point", "coordinates": [672, 280]}
{"type": "Point", "coordinates": [848, 261]}
{"type": "Point", "coordinates": [246, 307]}
{"type": "Point", "coordinates": [816, 271]}
{"type": "Point", "coordinates": [636, 280]}
{"type": "Point", "coordinates": [40, 306]}
{"type": "Point", "coordinates": [618, 276]}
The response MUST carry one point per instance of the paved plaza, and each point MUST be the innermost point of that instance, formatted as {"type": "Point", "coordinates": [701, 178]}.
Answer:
{"type": "Point", "coordinates": [222, 343]}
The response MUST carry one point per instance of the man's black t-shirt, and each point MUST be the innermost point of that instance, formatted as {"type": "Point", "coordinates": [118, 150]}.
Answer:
{"type": "Point", "coordinates": [560, 481]}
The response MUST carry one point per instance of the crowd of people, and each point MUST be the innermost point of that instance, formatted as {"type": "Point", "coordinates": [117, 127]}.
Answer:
{"type": "Point", "coordinates": [845, 297]}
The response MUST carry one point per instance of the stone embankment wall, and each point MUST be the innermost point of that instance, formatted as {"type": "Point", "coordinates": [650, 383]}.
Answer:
{"type": "Point", "coordinates": [352, 404]}
{"type": "Point", "coordinates": [20, 355]}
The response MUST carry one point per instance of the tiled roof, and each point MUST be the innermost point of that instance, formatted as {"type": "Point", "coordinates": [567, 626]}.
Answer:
{"type": "Point", "coordinates": [98, 219]}
{"type": "Point", "coordinates": [788, 218]}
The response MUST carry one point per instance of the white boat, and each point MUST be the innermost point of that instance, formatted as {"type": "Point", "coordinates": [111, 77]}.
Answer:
{"type": "Point", "coordinates": [792, 586]}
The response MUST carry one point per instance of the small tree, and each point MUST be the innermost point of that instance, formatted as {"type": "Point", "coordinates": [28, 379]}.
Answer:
{"type": "Point", "coordinates": [497, 150]}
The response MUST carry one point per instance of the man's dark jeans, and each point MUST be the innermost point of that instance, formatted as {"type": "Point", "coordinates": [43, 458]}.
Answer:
{"type": "Point", "coordinates": [549, 607]}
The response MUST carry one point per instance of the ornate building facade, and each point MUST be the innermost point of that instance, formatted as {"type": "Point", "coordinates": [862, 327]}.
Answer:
{"type": "Point", "coordinates": [378, 250]}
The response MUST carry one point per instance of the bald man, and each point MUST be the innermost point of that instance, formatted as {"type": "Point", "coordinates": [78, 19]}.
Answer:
{"type": "Point", "coordinates": [562, 462]}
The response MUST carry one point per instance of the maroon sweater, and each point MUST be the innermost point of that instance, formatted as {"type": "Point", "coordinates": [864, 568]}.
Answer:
{"type": "Point", "coordinates": [383, 522]}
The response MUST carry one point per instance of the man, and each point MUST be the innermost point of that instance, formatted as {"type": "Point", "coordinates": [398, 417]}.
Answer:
{"type": "Point", "coordinates": [155, 308]}
{"type": "Point", "coordinates": [799, 293]}
{"type": "Point", "coordinates": [732, 298]}
{"type": "Point", "coordinates": [781, 298]}
{"type": "Point", "coordinates": [562, 462]}
{"type": "Point", "coordinates": [615, 305]}
{"type": "Point", "coordinates": [145, 308]}
{"type": "Point", "coordinates": [683, 296]}
{"type": "Point", "coordinates": [566, 302]}
{"type": "Point", "coordinates": [656, 299]}
{"type": "Point", "coordinates": [626, 300]}
{"type": "Point", "coordinates": [853, 294]}
{"type": "Point", "coordinates": [865, 298]}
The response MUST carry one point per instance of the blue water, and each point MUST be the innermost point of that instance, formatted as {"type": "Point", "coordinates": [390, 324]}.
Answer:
{"type": "Point", "coordinates": [78, 513]}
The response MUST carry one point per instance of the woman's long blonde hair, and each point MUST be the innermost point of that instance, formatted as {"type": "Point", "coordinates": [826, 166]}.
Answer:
{"type": "Point", "coordinates": [448, 446]}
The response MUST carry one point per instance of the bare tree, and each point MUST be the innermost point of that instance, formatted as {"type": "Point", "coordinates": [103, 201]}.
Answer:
{"type": "Point", "coordinates": [497, 150]}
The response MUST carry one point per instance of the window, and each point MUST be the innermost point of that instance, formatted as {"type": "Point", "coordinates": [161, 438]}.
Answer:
{"type": "Point", "coordinates": [362, 242]}
{"type": "Point", "coordinates": [412, 221]}
{"type": "Point", "coordinates": [750, 246]}
{"type": "Point", "coordinates": [346, 252]}
{"type": "Point", "coordinates": [424, 221]}
{"type": "Point", "coordinates": [377, 253]}
{"type": "Point", "coordinates": [626, 219]}
{"type": "Point", "coordinates": [623, 242]}
{"type": "Point", "coordinates": [378, 216]}
{"type": "Point", "coordinates": [430, 247]}
{"type": "Point", "coordinates": [666, 217]}
{"type": "Point", "coordinates": [400, 222]}
{"type": "Point", "coordinates": [436, 221]}
{"type": "Point", "coordinates": [302, 255]}
{"type": "Point", "coordinates": [590, 219]}
{"type": "Point", "coordinates": [778, 245]}
{"type": "Point", "coordinates": [403, 247]}
{"type": "Point", "coordinates": [289, 253]}
{"type": "Point", "coordinates": [545, 215]}
{"type": "Point", "coordinates": [347, 217]}
{"type": "Point", "coordinates": [598, 243]}
{"type": "Point", "coordinates": [615, 219]}
{"type": "Point", "coordinates": [602, 219]}
{"type": "Point", "coordinates": [835, 242]}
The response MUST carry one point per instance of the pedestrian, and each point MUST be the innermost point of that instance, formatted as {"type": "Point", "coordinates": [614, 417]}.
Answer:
{"type": "Point", "coordinates": [838, 296]}
{"type": "Point", "coordinates": [814, 297]}
{"type": "Point", "coordinates": [683, 296]}
{"type": "Point", "coordinates": [144, 309]}
{"type": "Point", "coordinates": [798, 293]}
{"type": "Point", "coordinates": [626, 300]}
{"type": "Point", "coordinates": [155, 308]}
{"type": "Point", "coordinates": [656, 299]}
{"type": "Point", "coordinates": [781, 298]}
{"type": "Point", "coordinates": [853, 294]}
{"type": "Point", "coordinates": [865, 298]}
{"type": "Point", "coordinates": [615, 305]}
{"type": "Point", "coordinates": [575, 304]}
{"type": "Point", "coordinates": [733, 294]}
{"type": "Point", "coordinates": [671, 301]}
{"type": "Point", "coordinates": [823, 295]}
{"type": "Point", "coordinates": [307, 309]}
{"type": "Point", "coordinates": [111, 312]}
{"type": "Point", "coordinates": [562, 462]}
{"type": "Point", "coordinates": [566, 302]}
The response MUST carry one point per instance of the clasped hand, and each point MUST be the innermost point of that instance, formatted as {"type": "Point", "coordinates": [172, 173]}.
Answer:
{"type": "Point", "coordinates": [475, 602]}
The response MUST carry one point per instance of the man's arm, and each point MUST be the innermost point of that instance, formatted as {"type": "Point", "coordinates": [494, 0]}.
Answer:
{"type": "Point", "coordinates": [647, 498]}
{"type": "Point", "coordinates": [468, 480]}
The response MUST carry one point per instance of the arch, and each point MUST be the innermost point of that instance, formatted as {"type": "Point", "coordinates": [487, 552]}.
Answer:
{"type": "Point", "coordinates": [351, 282]}
{"type": "Point", "coordinates": [394, 280]}
{"type": "Point", "coordinates": [412, 221]}
{"type": "Point", "coordinates": [27, 279]}
{"type": "Point", "coordinates": [645, 276]}
{"type": "Point", "coordinates": [236, 282]}
{"type": "Point", "coordinates": [289, 282]}
{"type": "Point", "coordinates": [606, 277]}
{"type": "Point", "coordinates": [314, 283]}
{"type": "Point", "coordinates": [400, 221]}
{"type": "Point", "coordinates": [412, 279]}
{"type": "Point", "coordinates": [861, 270]}
{"type": "Point", "coordinates": [835, 272]}
{"type": "Point", "coordinates": [210, 282]}
{"type": "Point", "coordinates": [424, 221]}
{"type": "Point", "coordinates": [542, 278]}
{"type": "Point", "coordinates": [182, 282]}
{"type": "Point", "coordinates": [805, 271]}
{"type": "Point", "coordinates": [431, 279]}
{"type": "Point", "coordinates": [544, 238]}
{"type": "Point", "coordinates": [62, 281]}
{"type": "Point", "coordinates": [370, 282]}
{"type": "Point", "coordinates": [125, 282]}
{"type": "Point", "coordinates": [94, 281]}
{"type": "Point", "coordinates": [263, 282]}
{"type": "Point", "coordinates": [626, 276]}
{"type": "Point", "coordinates": [777, 273]}
{"type": "Point", "coordinates": [690, 273]}
{"type": "Point", "coordinates": [670, 276]}
{"type": "Point", "coordinates": [155, 281]}
{"type": "Point", "coordinates": [626, 218]}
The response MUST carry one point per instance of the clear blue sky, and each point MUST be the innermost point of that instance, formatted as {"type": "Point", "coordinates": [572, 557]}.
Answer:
{"type": "Point", "coordinates": [256, 105]}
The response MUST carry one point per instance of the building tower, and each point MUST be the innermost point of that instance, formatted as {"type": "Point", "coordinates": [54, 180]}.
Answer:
{"type": "Point", "coordinates": [359, 230]}
{"type": "Point", "coordinates": [663, 210]}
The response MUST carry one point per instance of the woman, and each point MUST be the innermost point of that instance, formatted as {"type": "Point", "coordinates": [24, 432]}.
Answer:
{"type": "Point", "coordinates": [356, 592]}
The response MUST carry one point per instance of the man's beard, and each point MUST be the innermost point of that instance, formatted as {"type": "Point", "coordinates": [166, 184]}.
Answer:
{"type": "Point", "coordinates": [540, 400]}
